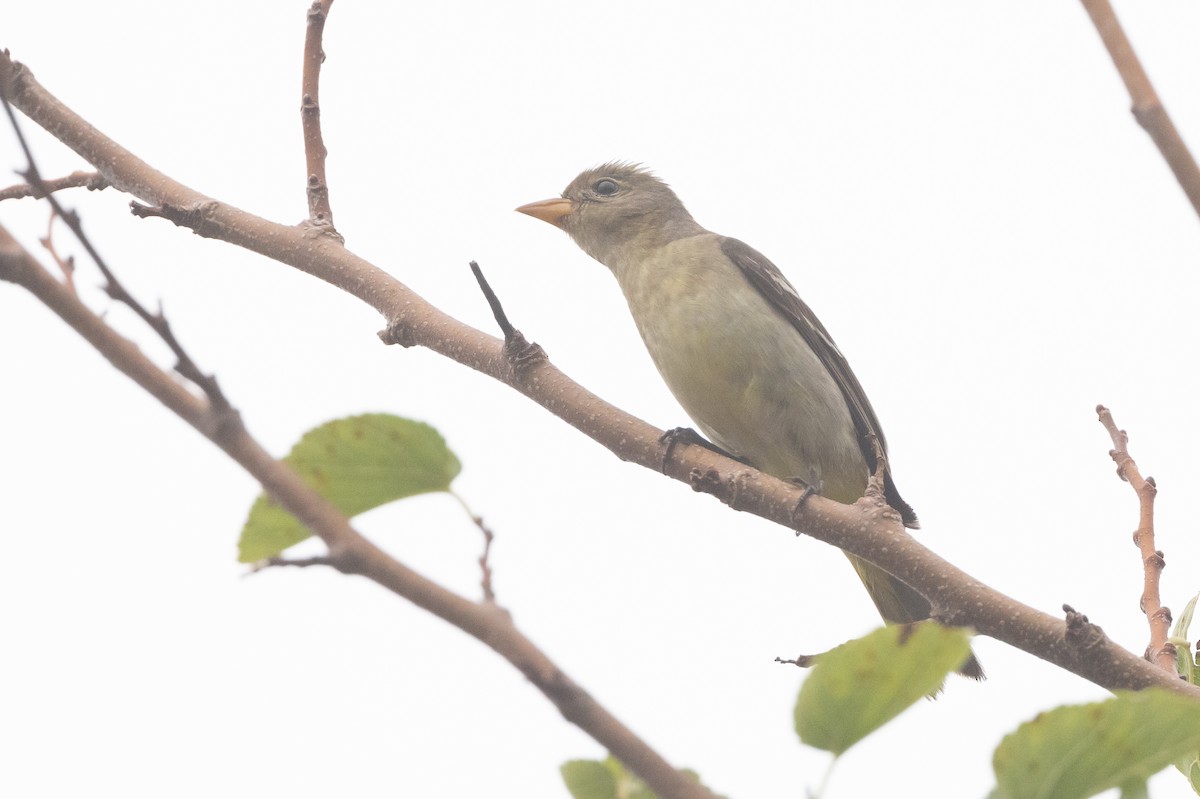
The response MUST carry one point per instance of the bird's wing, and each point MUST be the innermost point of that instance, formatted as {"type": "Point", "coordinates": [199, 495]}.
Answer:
{"type": "Point", "coordinates": [773, 286]}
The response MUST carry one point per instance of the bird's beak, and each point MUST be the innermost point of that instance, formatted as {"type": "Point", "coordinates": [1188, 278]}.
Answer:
{"type": "Point", "coordinates": [551, 211]}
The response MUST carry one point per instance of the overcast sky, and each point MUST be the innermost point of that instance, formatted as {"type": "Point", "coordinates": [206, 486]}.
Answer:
{"type": "Point", "coordinates": [957, 189]}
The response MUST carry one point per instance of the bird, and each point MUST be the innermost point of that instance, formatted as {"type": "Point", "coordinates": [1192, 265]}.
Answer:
{"type": "Point", "coordinates": [743, 354]}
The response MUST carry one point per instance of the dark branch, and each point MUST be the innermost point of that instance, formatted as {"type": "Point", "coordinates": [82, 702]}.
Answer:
{"type": "Point", "coordinates": [157, 321]}
{"type": "Point", "coordinates": [522, 355]}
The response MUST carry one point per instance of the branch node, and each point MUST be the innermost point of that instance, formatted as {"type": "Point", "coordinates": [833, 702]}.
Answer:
{"type": "Point", "coordinates": [195, 217]}
{"type": "Point", "coordinates": [1168, 651]}
{"type": "Point", "coordinates": [319, 226]}
{"type": "Point", "coordinates": [522, 355]}
{"type": "Point", "coordinates": [1147, 108]}
{"type": "Point", "coordinates": [1081, 634]}
{"type": "Point", "coordinates": [398, 331]}
{"type": "Point", "coordinates": [705, 481]}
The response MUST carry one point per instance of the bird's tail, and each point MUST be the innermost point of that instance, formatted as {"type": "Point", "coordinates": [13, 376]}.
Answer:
{"type": "Point", "coordinates": [900, 604]}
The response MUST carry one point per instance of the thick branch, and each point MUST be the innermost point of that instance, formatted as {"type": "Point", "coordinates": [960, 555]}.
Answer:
{"type": "Point", "coordinates": [1147, 108]}
{"type": "Point", "coordinates": [866, 529]}
{"type": "Point", "coordinates": [349, 551]}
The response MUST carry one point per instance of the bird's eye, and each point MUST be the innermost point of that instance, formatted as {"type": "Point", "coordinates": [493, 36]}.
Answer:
{"type": "Point", "coordinates": [605, 187]}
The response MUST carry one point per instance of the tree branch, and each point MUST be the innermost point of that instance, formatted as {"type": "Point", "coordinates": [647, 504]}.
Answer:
{"type": "Point", "coordinates": [113, 287]}
{"type": "Point", "coordinates": [320, 212]}
{"type": "Point", "coordinates": [1160, 651]}
{"type": "Point", "coordinates": [865, 529]}
{"type": "Point", "coordinates": [88, 180]}
{"type": "Point", "coordinates": [1147, 108]}
{"type": "Point", "coordinates": [349, 551]}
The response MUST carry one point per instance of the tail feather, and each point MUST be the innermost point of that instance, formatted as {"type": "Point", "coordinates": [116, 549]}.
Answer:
{"type": "Point", "coordinates": [899, 603]}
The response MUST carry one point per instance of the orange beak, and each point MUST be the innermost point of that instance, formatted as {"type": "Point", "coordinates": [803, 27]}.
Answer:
{"type": "Point", "coordinates": [551, 211]}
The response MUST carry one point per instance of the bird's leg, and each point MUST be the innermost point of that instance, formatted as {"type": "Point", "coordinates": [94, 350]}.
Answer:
{"type": "Point", "coordinates": [686, 435]}
{"type": "Point", "coordinates": [814, 485]}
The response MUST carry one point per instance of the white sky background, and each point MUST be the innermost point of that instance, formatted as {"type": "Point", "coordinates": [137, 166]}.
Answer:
{"type": "Point", "coordinates": [957, 189]}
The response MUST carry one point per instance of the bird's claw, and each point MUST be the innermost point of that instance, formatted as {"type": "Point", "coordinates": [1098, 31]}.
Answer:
{"type": "Point", "coordinates": [686, 435]}
{"type": "Point", "coordinates": [812, 486]}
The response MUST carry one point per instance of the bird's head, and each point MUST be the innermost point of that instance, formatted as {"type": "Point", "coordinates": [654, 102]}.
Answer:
{"type": "Point", "coordinates": [609, 208]}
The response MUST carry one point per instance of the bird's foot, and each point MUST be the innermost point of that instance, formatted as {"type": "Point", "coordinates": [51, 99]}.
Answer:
{"type": "Point", "coordinates": [686, 436]}
{"type": "Point", "coordinates": [814, 485]}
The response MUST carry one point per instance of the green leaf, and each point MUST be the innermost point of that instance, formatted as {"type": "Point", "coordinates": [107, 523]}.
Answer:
{"type": "Point", "coordinates": [1135, 789]}
{"type": "Point", "coordinates": [1189, 767]}
{"type": "Point", "coordinates": [857, 687]}
{"type": "Point", "coordinates": [589, 779]}
{"type": "Point", "coordinates": [629, 785]}
{"type": "Point", "coordinates": [593, 779]}
{"type": "Point", "coordinates": [1185, 618]}
{"type": "Point", "coordinates": [1185, 661]}
{"type": "Point", "coordinates": [357, 463]}
{"type": "Point", "coordinates": [1078, 751]}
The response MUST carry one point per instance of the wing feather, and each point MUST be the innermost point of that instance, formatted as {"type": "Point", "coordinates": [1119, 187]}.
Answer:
{"type": "Point", "coordinates": [776, 289]}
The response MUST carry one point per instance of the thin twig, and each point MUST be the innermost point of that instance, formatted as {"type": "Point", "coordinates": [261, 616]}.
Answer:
{"type": "Point", "coordinates": [66, 264]}
{"type": "Point", "coordinates": [413, 321]}
{"type": "Point", "coordinates": [349, 551]}
{"type": "Point", "coordinates": [1147, 107]}
{"type": "Point", "coordinates": [522, 355]}
{"type": "Point", "coordinates": [157, 322]}
{"type": "Point", "coordinates": [493, 302]}
{"type": "Point", "coordinates": [484, 561]}
{"type": "Point", "coordinates": [300, 563]}
{"type": "Point", "coordinates": [485, 565]}
{"type": "Point", "coordinates": [320, 212]}
{"type": "Point", "coordinates": [92, 181]}
{"type": "Point", "coordinates": [1161, 651]}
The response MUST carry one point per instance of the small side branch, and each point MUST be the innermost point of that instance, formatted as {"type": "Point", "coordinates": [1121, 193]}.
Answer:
{"type": "Point", "coordinates": [184, 365]}
{"type": "Point", "coordinates": [320, 211]}
{"type": "Point", "coordinates": [485, 563]}
{"type": "Point", "coordinates": [92, 181]}
{"type": "Point", "coordinates": [521, 353]}
{"type": "Point", "coordinates": [300, 563]}
{"type": "Point", "coordinates": [350, 552]}
{"type": "Point", "coordinates": [1147, 107]}
{"type": "Point", "coordinates": [1161, 651]}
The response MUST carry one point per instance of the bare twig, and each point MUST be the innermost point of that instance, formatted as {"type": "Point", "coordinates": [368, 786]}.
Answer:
{"type": "Point", "coordinates": [1160, 651]}
{"type": "Point", "coordinates": [521, 353]}
{"type": "Point", "coordinates": [485, 565]}
{"type": "Point", "coordinates": [413, 321]}
{"type": "Point", "coordinates": [300, 563]}
{"type": "Point", "coordinates": [157, 322]}
{"type": "Point", "coordinates": [89, 180]}
{"type": "Point", "coordinates": [66, 264]}
{"type": "Point", "coordinates": [320, 211]}
{"type": "Point", "coordinates": [494, 303]}
{"type": "Point", "coordinates": [350, 552]}
{"type": "Point", "coordinates": [1147, 108]}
